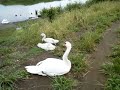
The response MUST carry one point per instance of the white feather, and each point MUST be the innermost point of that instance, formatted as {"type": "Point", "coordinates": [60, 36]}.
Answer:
{"type": "Point", "coordinates": [52, 66]}
{"type": "Point", "coordinates": [49, 40]}
{"type": "Point", "coordinates": [46, 46]}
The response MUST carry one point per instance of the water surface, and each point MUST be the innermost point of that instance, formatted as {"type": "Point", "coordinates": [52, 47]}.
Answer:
{"type": "Point", "coordinates": [15, 13]}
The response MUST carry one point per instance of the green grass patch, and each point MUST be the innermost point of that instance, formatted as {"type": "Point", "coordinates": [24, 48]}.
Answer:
{"type": "Point", "coordinates": [112, 71]}
{"type": "Point", "coordinates": [89, 40]}
{"type": "Point", "coordinates": [78, 62]}
{"type": "Point", "coordinates": [7, 80]}
{"type": "Point", "coordinates": [62, 83]}
{"type": "Point", "coordinates": [113, 82]}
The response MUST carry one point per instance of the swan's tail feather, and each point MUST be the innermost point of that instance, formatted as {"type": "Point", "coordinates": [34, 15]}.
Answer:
{"type": "Point", "coordinates": [56, 41]}
{"type": "Point", "coordinates": [32, 69]}
{"type": "Point", "coordinates": [39, 44]}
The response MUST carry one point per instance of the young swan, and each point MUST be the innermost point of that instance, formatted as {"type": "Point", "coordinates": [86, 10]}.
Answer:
{"type": "Point", "coordinates": [49, 40]}
{"type": "Point", "coordinates": [46, 46]}
{"type": "Point", "coordinates": [52, 66]}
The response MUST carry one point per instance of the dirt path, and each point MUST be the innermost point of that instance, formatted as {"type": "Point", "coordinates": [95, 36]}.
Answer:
{"type": "Point", "coordinates": [94, 80]}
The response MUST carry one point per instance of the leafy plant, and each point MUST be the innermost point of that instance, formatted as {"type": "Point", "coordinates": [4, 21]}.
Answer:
{"type": "Point", "coordinates": [88, 40]}
{"type": "Point", "coordinates": [51, 13]}
{"type": "Point", "coordinates": [7, 80]}
{"type": "Point", "coordinates": [113, 82]}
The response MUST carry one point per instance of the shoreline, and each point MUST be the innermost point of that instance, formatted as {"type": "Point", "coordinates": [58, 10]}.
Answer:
{"type": "Point", "coordinates": [5, 26]}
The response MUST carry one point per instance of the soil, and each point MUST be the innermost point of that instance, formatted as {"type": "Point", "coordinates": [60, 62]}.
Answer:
{"type": "Point", "coordinates": [92, 80]}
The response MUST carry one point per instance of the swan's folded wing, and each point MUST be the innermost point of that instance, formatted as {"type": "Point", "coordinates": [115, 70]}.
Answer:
{"type": "Point", "coordinates": [54, 67]}
{"type": "Point", "coordinates": [39, 63]}
{"type": "Point", "coordinates": [32, 69]}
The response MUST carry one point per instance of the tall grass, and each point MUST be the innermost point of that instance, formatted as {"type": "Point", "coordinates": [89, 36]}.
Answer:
{"type": "Point", "coordinates": [51, 13]}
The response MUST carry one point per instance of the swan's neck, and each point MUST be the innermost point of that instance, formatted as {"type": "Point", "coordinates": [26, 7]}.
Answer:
{"type": "Point", "coordinates": [65, 56]}
{"type": "Point", "coordinates": [43, 37]}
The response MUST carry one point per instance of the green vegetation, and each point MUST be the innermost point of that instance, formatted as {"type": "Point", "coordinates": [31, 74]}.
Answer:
{"type": "Point", "coordinates": [54, 12]}
{"type": "Point", "coordinates": [111, 69]}
{"type": "Point", "coordinates": [23, 2]}
{"type": "Point", "coordinates": [78, 62]}
{"type": "Point", "coordinates": [51, 13]}
{"type": "Point", "coordinates": [83, 27]}
{"type": "Point", "coordinates": [7, 81]}
{"type": "Point", "coordinates": [62, 83]}
{"type": "Point", "coordinates": [12, 56]}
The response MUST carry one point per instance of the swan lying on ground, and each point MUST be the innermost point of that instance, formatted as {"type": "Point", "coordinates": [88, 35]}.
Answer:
{"type": "Point", "coordinates": [5, 21]}
{"type": "Point", "coordinates": [46, 46]}
{"type": "Point", "coordinates": [52, 66]}
{"type": "Point", "coordinates": [49, 40]}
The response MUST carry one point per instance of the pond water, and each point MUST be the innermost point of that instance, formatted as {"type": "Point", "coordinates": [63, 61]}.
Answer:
{"type": "Point", "coordinates": [15, 13]}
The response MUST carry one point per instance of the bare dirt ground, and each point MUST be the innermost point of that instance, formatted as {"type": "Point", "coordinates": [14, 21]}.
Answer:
{"type": "Point", "coordinates": [93, 80]}
{"type": "Point", "coordinates": [35, 82]}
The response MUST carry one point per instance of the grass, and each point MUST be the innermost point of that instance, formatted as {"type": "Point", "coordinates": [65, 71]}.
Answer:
{"type": "Point", "coordinates": [83, 27]}
{"type": "Point", "coordinates": [111, 69]}
{"type": "Point", "coordinates": [78, 62]}
{"type": "Point", "coordinates": [12, 56]}
{"type": "Point", "coordinates": [95, 22]}
{"type": "Point", "coordinates": [7, 81]}
{"type": "Point", "coordinates": [88, 40]}
{"type": "Point", "coordinates": [62, 83]}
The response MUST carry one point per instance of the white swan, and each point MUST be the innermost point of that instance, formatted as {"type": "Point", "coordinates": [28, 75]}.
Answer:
{"type": "Point", "coordinates": [5, 21]}
{"type": "Point", "coordinates": [46, 46]}
{"type": "Point", "coordinates": [52, 66]}
{"type": "Point", "coordinates": [49, 40]}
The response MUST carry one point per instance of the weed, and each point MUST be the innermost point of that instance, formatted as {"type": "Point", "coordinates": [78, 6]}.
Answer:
{"type": "Point", "coordinates": [107, 68]}
{"type": "Point", "coordinates": [7, 80]}
{"type": "Point", "coordinates": [78, 62]}
{"type": "Point", "coordinates": [113, 83]}
{"type": "Point", "coordinates": [88, 40]}
{"type": "Point", "coordinates": [51, 13]}
{"type": "Point", "coordinates": [62, 83]}
{"type": "Point", "coordinates": [23, 2]}
{"type": "Point", "coordinates": [5, 50]}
